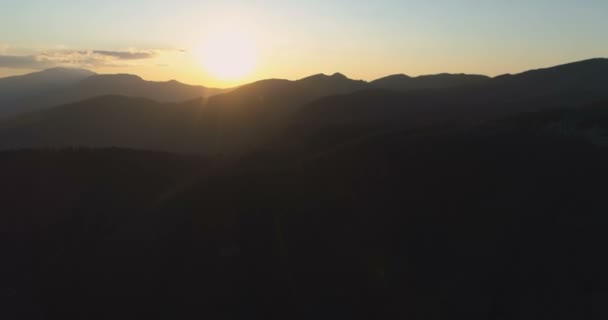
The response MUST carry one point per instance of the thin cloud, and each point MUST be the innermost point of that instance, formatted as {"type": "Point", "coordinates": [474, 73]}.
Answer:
{"type": "Point", "coordinates": [23, 62]}
{"type": "Point", "coordinates": [127, 55]}
{"type": "Point", "coordinates": [75, 58]}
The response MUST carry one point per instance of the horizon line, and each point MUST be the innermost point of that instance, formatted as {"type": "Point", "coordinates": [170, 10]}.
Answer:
{"type": "Point", "coordinates": [301, 78]}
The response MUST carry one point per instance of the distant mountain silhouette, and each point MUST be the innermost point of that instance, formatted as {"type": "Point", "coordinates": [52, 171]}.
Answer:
{"type": "Point", "coordinates": [570, 85]}
{"type": "Point", "coordinates": [337, 83]}
{"type": "Point", "coordinates": [251, 114]}
{"type": "Point", "coordinates": [402, 82]}
{"type": "Point", "coordinates": [234, 122]}
{"type": "Point", "coordinates": [332, 109]}
{"type": "Point", "coordinates": [89, 86]}
{"type": "Point", "coordinates": [12, 89]}
{"type": "Point", "coordinates": [565, 84]}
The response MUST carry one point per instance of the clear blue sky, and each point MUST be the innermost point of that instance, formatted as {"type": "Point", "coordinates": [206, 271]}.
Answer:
{"type": "Point", "coordinates": [363, 39]}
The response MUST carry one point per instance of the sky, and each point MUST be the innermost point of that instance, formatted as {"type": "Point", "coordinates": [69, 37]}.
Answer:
{"type": "Point", "coordinates": [163, 40]}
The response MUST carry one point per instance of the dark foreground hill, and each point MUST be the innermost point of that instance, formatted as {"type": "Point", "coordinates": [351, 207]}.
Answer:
{"type": "Point", "coordinates": [498, 220]}
{"type": "Point", "coordinates": [79, 206]}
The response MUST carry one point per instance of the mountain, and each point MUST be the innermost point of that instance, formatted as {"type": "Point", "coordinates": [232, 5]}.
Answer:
{"type": "Point", "coordinates": [230, 123]}
{"type": "Point", "coordinates": [402, 82]}
{"type": "Point", "coordinates": [565, 84]}
{"type": "Point", "coordinates": [333, 108]}
{"type": "Point", "coordinates": [359, 113]}
{"type": "Point", "coordinates": [337, 83]}
{"type": "Point", "coordinates": [251, 114]}
{"type": "Point", "coordinates": [14, 88]}
{"type": "Point", "coordinates": [475, 202]}
{"type": "Point", "coordinates": [91, 85]}
{"type": "Point", "coordinates": [288, 94]}
{"type": "Point", "coordinates": [442, 213]}
{"type": "Point", "coordinates": [134, 86]}
{"type": "Point", "coordinates": [326, 109]}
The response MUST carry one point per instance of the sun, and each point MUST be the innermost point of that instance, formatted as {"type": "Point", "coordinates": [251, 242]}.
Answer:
{"type": "Point", "coordinates": [228, 55]}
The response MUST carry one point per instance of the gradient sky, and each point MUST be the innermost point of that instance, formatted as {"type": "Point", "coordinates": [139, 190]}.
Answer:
{"type": "Point", "coordinates": [160, 39]}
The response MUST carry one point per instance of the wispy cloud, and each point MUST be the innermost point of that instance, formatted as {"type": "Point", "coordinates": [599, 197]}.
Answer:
{"type": "Point", "coordinates": [74, 58]}
{"type": "Point", "coordinates": [23, 62]}
{"type": "Point", "coordinates": [127, 55]}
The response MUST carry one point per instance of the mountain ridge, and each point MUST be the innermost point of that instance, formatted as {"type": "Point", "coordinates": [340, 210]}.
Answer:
{"type": "Point", "coordinates": [250, 116]}
{"type": "Point", "coordinates": [89, 85]}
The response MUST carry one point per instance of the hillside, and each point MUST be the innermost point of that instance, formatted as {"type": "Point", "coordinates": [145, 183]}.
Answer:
{"type": "Point", "coordinates": [402, 82]}
{"type": "Point", "coordinates": [451, 220]}
{"type": "Point", "coordinates": [48, 89]}
{"type": "Point", "coordinates": [331, 108]}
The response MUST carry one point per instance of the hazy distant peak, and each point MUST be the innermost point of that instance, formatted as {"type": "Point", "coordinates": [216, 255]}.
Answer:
{"type": "Point", "coordinates": [443, 74]}
{"type": "Point", "coordinates": [587, 65]}
{"type": "Point", "coordinates": [580, 75]}
{"type": "Point", "coordinates": [122, 76]}
{"type": "Point", "coordinates": [592, 61]}
{"type": "Point", "coordinates": [67, 70]}
{"type": "Point", "coordinates": [322, 76]}
{"type": "Point", "coordinates": [453, 75]}
{"type": "Point", "coordinates": [504, 76]}
{"type": "Point", "coordinates": [399, 76]}
{"type": "Point", "coordinates": [114, 78]}
{"type": "Point", "coordinates": [338, 75]}
{"type": "Point", "coordinates": [402, 82]}
{"type": "Point", "coordinates": [54, 75]}
{"type": "Point", "coordinates": [314, 77]}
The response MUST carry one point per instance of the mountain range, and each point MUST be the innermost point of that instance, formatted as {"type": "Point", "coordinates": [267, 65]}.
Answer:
{"type": "Point", "coordinates": [58, 86]}
{"type": "Point", "coordinates": [250, 116]}
{"type": "Point", "coordinates": [320, 198]}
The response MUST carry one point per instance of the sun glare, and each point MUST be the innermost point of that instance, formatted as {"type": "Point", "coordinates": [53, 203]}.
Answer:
{"type": "Point", "coordinates": [228, 55]}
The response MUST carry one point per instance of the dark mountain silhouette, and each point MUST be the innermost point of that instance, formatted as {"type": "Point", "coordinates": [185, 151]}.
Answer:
{"type": "Point", "coordinates": [337, 83]}
{"type": "Point", "coordinates": [331, 108]}
{"type": "Point", "coordinates": [233, 122]}
{"type": "Point", "coordinates": [250, 115]}
{"type": "Point", "coordinates": [332, 200]}
{"type": "Point", "coordinates": [402, 82]}
{"type": "Point", "coordinates": [91, 86]}
{"type": "Point", "coordinates": [134, 86]}
{"type": "Point", "coordinates": [565, 84]}
{"type": "Point", "coordinates": [12, 89]}
{"type": "Point", "coordinates": [500, 219]}
{"type": "Point", "coordinates": [362, 112]}
{"type": "Point", "coordinates": [264, 109]}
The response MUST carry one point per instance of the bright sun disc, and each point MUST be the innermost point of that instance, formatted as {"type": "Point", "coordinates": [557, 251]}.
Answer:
{"type": "Point", "coordinates": [229, 55]}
